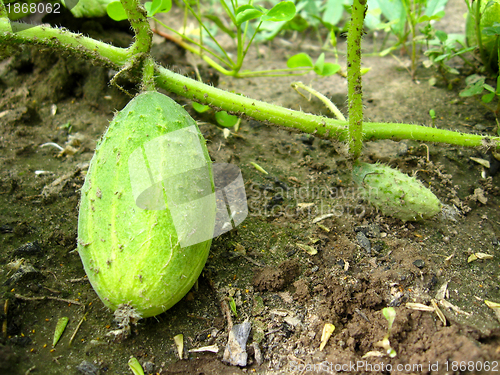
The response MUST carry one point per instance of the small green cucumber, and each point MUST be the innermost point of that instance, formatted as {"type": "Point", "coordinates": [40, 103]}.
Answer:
{"type": "Point", "coordinates": [395, 193]}
{"type": "Point", "coordinates": [147, 209]}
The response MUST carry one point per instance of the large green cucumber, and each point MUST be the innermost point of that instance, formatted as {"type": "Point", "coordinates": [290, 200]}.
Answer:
{"type": "Point", "coordinates": [147, 209]}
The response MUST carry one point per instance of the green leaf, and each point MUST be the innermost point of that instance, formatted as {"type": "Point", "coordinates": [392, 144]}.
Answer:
{"type": "Point", "coordinates": [116, 12]}
{"type": "Point", "coordinates": [159, 6]}
{"type": "Point", "coordinates": [390, 315]}
{"type": "Point", "coordinates": [492, 30]}
{"type": "Point", "coordinates": [85, 8]}
{"type": "Point", "coordinates": [434, 7]}
{"type": "Point", "coordinates": [474, 86]}
{"type": "Point", "coordinates": [365, 70]}
{"type": "Point", "coordinates": [441, 35]}
{"type": "Point", "coordinates": [329, 69]}
{"type": "Point", "coordinates": [200, 108]}
{"type": "Point", "coordinates": [283, 11]}
{"type": "Point", "coordinates": [426, 18]}
{"type": "Point", "coordinates": [246, 13]}
{"type": "Point", "coordinates": [488, 97]}
{"type": "Point", "coordinates": [225, 119]}
{"type": "Point", "coordinates": [60, 327]}
{"type": "Point", "coordinates": [394, 11]}
{"type": "Point", "coordinates": [300, 60]}
{"type": "Point", "coordinates": [318, 66]}
{"type": "Point", "coordinates": [333, 12]}
{"type": "Point", "coordinates": [135, 366]}
{"type": "Point", "coordinates": [232, 305]}
{"type": "Point", "coordinates": [489, 88]}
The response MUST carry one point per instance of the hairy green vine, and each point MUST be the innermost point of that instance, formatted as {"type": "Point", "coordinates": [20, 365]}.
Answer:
{"type": "Point", "coordinates": [13, 33]}
{"type": "Point", "coordinates": [354, 87]}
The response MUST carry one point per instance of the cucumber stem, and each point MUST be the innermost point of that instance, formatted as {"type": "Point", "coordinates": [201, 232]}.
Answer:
{"type": "Point", "coordinates": [117, 58]}
{"type": "Point", "coordinates": [137, 18]}
{"type": "Point", "coordinates": [148, 75]}
{"type": "Point", "coordinates": [355, 90]}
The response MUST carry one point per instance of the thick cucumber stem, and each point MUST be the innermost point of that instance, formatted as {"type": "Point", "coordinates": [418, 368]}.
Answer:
{"type": "Point", "coordinates": [355, 91]}
{"type": "Point", "coordinates": [64, 41]}
{"type": "Point", "coordinates": [137, 17]}
{"type": "Point", "coordinates": [148, 75]}
{"type": "Point", "coordinates": [117, 58]}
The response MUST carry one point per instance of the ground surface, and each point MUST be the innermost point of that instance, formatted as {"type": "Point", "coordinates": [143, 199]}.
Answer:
{"type": "Point", "coordinates": [287, 294]}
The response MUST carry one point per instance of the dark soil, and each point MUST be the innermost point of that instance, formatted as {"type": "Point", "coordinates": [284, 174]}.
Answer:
{"type": "Point", "coordinates": [364, 261]}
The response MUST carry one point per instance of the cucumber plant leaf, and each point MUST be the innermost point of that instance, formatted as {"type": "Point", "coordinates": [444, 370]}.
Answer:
{"type": "Point", "coordinates": [300, 60]}
{"type": "Point", "coordinates": [246, 13]}
{"type": "Point", "coordinates": [435, 7]}
{"type": "Point", "coordinates": [283, 11]}
{"type": "Point", "coordinates": [116, 12]}
{"type": "Point", "coordinates": [225, 119]}
{"type": "Point", "coordinates": [475, 86]}
{"type": "Point", "coordinates": [488, 97]}
{"type": "Point", "coordinates": [200, 108]}
{"type": "Point", "coordinates": [333, 12]}
{"type": "Point", "coordinates": [158, 6]}
{"type": "Point", "coordinates": [318, 65]}
{"type": "Point", "coordinates": [492, 30]}
{"type": "Point", "coordinates": [435, 17]}
{"type": "Point", "coordinates": [329, 69]}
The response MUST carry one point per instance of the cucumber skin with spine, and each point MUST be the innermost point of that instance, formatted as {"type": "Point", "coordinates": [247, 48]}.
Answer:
{"type": "Point", "coordinates": [395, 193]}
{"type": "Point", "coordinates": [131, 255]}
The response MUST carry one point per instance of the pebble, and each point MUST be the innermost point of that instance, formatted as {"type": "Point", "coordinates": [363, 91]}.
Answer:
{"type": "Point", "coordinates": [364, 242]}
{"type": "Point", "coordinates": [419, 263]}
{"type": "Point", "coordinates": [257, 354]}
{"type": "Point", "coordinates": [148, 367]}
{"type": "Point", "coordinates": [29, 248]}
{"type": "Point", "coordinates": [88, 368]}
{"type": "Point", "coordinates": [235, 353]}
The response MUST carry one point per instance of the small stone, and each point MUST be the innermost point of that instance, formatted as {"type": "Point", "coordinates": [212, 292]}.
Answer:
{"type": "Point", "coordinates": [419, 263]}
{"type": "Point", "coordinates": [364, 242]}
{"type": "Point", "coordinates": [148, 367]}
{"type": "Point", "coordinates": [88, 368]}
{"type": "Point", "coordinates": [292, 321]}
{"type": "Point", "coordinates": [29, 248]}
{"type": "Point", "coordinates": [235, 353]}
{"type": "Point", "coordinates": [257, 354]}
{"type": "Point", "coordinates": [6, 229]}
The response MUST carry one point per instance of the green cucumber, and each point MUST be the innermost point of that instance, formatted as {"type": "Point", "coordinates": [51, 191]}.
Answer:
{"type": "Point", "coordinates": [395, 193]}
{"type": "Point", "coordinates": [147, 209]}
